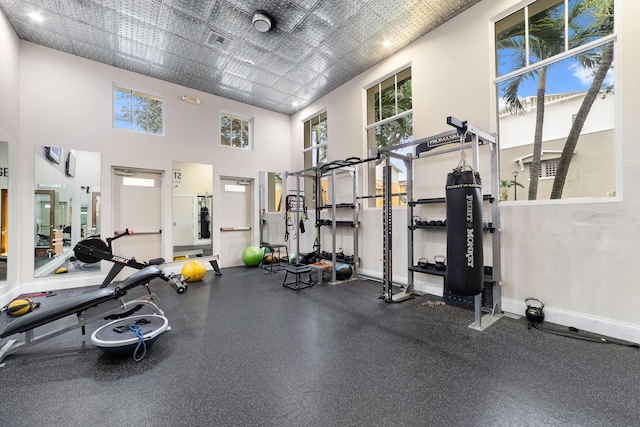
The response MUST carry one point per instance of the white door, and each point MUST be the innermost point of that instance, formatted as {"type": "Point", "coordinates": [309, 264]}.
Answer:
{"type": "Point", "coordinates": [236, 219]}
{"type": "Point", "coordinates": [137, 206]}
{"type": "Point", "coordinates": [183, 221]}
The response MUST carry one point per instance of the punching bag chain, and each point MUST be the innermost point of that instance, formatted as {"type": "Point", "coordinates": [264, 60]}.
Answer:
{"type": "Point", "coordinates": [463, 165]}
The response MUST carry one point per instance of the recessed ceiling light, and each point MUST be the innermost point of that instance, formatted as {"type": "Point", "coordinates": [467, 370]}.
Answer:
{"type": "Point", "coordinates": [36, 16]}
{"type": "Point", "coordinates": [294, 103]}
{"type": "Point", "coordinates": [386, 43]}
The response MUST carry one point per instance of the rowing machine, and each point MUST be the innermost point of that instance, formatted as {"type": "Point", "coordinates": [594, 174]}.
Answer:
{"type": "Point", "coordinates": [94, 250]}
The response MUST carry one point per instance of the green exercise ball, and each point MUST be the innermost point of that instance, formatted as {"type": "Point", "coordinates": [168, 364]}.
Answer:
{"type": "Point", "coordinates": [252, 256]}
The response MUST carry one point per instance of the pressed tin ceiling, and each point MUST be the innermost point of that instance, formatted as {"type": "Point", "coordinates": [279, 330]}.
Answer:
{"type": "Point", "coordinates": [313, 46]}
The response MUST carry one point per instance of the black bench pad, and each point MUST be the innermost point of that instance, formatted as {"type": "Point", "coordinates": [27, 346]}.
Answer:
{"type": "Point", "coordinates": [79, 303]}
{"type": "Point", "coordinates": [53, 312]}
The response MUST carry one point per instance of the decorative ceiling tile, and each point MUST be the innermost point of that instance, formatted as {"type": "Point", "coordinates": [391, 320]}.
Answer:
{"type": "Point", "coordinates": [285, 14]}
{"type": "Point", "coordinates": [266, 78]}
{"type": "Point", "coordinates": [248, 6]}
{"type": "Point", "coordinates": [287, 86]}
{"type": "Point", "coordinates": [200, 72]}
{"type": "Point", "coordinates": [89, 13]}
{"type": "Point", "coordinates": [390, 10]}
{"type": "Point", "coordinates": [199, 9]}
{"type": "Point", "coordinates": [179, 23]}
{"type": "Point", "coordinates": [229, 20]}
{"type": "Point", "coordinates": [312, 30]}
{"type": "Point", "coordinates": [211, 45]}
{"type": "Point", "coordinates": [92, 52]}
{"type": "Point", "coordinates": [293, 49]}
{"type": "Point", "coordinates": [447, 9]}
{"type": "Point", "coordinates": [276, 64]}
{"type": "Point", "coordinates": [336, 13]}
{"type": "Point", "coordinates": [239, 68]}
{"type": "Point", "coordinates": [338, 44]}
{"type": "Point", "coordinates": [147, 12]}
{"type": "Point", "coordinates": [92, 35]}
{"type": "Point", "coordinates": [363, 25]}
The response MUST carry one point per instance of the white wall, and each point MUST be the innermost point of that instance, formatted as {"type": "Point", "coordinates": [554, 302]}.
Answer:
{"type": "Point", "coordinates": [9, 110]}
{"type": "Point", "coordinates": [67, 101]}
{"type": "Point", "coordinates": [578, 257]}
{"type": "Point", "coordinates": [9, 132]}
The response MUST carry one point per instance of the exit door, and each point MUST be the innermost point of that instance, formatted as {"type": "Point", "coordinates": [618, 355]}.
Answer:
{"type": "Point", "coordinates": [236, 195]}
{"type": "Point", "coordinates": [137, 206]}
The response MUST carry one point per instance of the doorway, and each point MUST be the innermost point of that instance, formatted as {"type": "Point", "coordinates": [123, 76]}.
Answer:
{"type": "Point", "coordinates": [236, 196]}
{"type": "Point", "coordinates": [137, 206]}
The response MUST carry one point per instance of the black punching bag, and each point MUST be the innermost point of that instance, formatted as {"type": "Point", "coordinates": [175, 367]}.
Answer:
{"type": "Point", "coordinates": [465, 263]}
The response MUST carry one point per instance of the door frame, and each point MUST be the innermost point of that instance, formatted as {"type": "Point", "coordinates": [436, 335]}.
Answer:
{"type": "Point", "coordinates": [252, 208]}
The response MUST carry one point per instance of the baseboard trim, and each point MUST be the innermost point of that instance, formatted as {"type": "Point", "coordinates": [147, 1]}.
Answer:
{"type": "Point", "coordinates": [596, 325]}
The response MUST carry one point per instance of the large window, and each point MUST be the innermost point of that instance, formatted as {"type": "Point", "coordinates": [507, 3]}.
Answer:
{"type": "Point", "coordinates": [235, 131]}
{"type": "Point", "coordinates": [316, 143]}
{"type": "Point", "coordinates": [315, 140]}
{"type": "Point", "coordinates": [137, 111]}
{"type": "Point", "coordinates": [555, 85]}
{"type": "Point", "coordinates": [389, 123]}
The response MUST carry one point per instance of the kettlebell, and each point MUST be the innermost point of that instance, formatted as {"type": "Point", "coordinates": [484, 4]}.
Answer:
{"type": "Point", "coordinates": [534, 312]}
{"type": "Point", "coordinates": [439, 261]}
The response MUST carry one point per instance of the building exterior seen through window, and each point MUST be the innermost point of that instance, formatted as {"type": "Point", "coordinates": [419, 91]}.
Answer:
{"type": "Point", "coordinates": [556, 94]}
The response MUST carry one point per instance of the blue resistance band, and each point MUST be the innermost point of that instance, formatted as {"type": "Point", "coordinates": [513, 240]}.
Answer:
{"type": "Point", "coordinates": [137, 329]}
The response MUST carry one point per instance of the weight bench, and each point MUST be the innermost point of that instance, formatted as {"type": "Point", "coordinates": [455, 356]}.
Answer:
{"type": "Point", "coordinates": [88, 307]}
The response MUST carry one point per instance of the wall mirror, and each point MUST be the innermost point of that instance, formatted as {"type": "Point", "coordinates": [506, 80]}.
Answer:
{"type": "Point", "coordinates": [67, 208]}
{"type": "Point", "coordinates": [4, 209]}
{"type": "Point", "coordinates": [192, 197]}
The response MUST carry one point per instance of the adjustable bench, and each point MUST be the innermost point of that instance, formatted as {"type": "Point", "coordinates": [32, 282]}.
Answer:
{"type": "Point", "coordinates": [88, 307]}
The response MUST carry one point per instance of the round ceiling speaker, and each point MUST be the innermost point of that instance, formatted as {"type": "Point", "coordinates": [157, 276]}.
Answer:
{"type": "Point", "coordinates": [261, 21]}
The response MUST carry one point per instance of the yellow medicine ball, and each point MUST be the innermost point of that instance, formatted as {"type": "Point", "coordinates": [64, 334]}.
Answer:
{"type": "Point", "coordinates": [194, 270]}
{"type": "Point", "coordinates": [21, 306]}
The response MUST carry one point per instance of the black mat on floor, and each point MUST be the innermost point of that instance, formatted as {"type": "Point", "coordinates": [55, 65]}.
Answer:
{"type": "Point", "coordinates": [246, 351]}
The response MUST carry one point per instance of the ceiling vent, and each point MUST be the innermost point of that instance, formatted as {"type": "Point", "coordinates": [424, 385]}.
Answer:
{"type": "Point", "coordinates": [216, 40]}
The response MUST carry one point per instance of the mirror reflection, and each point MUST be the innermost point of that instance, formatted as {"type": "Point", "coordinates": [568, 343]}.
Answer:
{"type": "Point", "coordinates": [67, 208]}
{"type": "Point", "coordinates": [192, 197]}
{"type": "Point", "coordinates": [4, 209]}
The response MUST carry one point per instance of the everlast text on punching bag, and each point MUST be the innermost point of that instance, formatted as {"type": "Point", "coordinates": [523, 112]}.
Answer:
{"type": "Point", "coordinates": [465, 263]}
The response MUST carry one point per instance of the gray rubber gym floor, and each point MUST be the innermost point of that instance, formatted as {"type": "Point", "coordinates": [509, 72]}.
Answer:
{"type": "Point", "coordinates": [245, 351]}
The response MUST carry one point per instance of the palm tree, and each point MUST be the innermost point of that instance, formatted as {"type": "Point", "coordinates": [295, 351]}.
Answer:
{"type": "Point", "coordinates": [505, 185]}
{"type": "Point", "coordinates": [545, 41]}
{"type": "Point", "coordinates": [602, 11]}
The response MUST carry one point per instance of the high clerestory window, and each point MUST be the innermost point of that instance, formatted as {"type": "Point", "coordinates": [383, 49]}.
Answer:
{"type": "Point", "coordinates": [555, 87]}
{"type": "Point", "coordinates": [389, 123]}
{"type": "Point", "coordinates": [236, 131]}
{"type": "Point", "coordinates": [137, 111]}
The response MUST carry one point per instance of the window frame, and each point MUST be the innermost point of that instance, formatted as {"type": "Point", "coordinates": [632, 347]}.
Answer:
{"type": "Point", "coordinates": [308, 146]}
{"type": "Point", "coordinates": [242, 118]}
{"type": "Point", "coordinates": [568, 52]}
{"type": "Point", "coordinates": [116, 87]}
{"type": "Point", "coordinates": [373, 188]}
